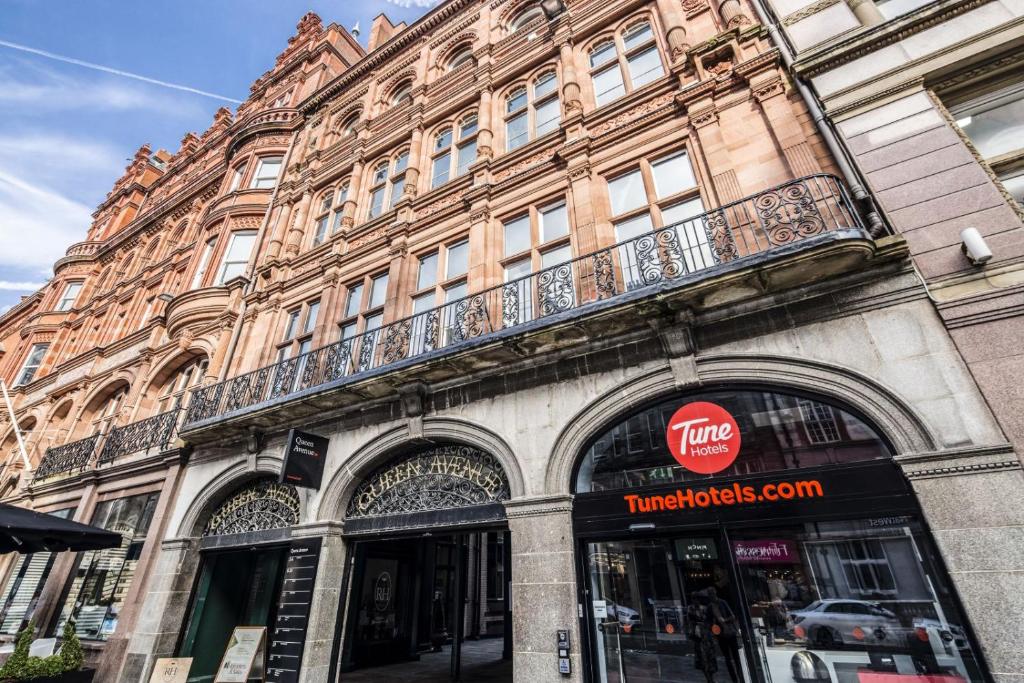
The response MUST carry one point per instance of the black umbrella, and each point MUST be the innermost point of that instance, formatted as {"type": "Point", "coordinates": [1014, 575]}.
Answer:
{"type": "Point", "coordinates": [25, 531]}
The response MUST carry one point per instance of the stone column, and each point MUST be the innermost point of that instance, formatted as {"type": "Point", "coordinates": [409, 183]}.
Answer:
{"type": "Point", "coordinates": [354, 184]}
{"type": "Point", "coordinates": [485, 136]}
{"type": "Point", "coordinates": [784, 125]}
{"type": "Point", "coordinates": [163, 610]}
{"type": "Point", "coordinates": [866, 12]}
{"type": "Point", "coordinates": [280, 222]}
{"type": "Point", "coordinates": [297, 228]}
{"type": "Point", "coordinates": [544, 596]}
{"type": "Point", "coordinates": [704, 118]}
{"type": "Point", "coordinates": [416, 162]}
{"type": "Point", "coordinates": [570, 84]}
{"type": "Point", "coordinates": [675, 32]}
{"type": "Point", "coordinates": [327, 600]}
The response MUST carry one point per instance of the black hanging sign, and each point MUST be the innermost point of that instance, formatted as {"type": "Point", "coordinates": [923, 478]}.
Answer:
{"type": "Point", "coordinates": [304, 456]}
{"type": "Point", "coordinates": [288, 635]}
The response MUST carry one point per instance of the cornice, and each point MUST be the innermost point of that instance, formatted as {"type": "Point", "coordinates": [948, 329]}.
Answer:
{"type": "Point", "coordinates": [869, 40]}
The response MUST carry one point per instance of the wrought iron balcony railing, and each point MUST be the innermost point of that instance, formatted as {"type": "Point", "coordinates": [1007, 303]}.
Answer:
{"type": "Point", "coordinates": [137, 437]}
{"type": "Point", "coordinates": [775, 218]}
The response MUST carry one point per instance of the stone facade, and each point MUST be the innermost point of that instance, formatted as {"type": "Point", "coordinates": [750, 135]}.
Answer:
{"type": "Point", "coordinates": [346, 254]}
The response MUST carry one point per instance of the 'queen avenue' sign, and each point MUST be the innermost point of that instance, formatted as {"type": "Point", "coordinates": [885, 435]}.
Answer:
{"type": "Point", "coordinates": [444, 477]}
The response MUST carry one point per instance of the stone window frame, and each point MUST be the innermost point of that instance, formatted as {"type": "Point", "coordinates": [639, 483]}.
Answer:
{"type": "Point", "coordinates": [443, 282]}
{"type": "Point", "coordinates": [222, 268]}
{"type": "Point", "coordinates": [236, 176]}
{"type": "Point", "coordinates": [623, 55]}
{"type": "Point", "coordinates": [534, 255]}
{"type": "Point", "coordinates": [33, 361]}
{"type": "Point", "coordinates": [453, 148]}
{"type": "Point", "coordinates": [531, 104]}
{"type": "Point", "coordinates": [401, 93]}
{"type": "Point", "coordinates": [460, 55]}
{"type": "Point", "coordinates": [179, 385]}
{"type": "Point", "coordinates": [72, 290]}
{"type": "Point", "coordinates": [530, 15]}
{"type": "Point", "coordinates": [258, 180]}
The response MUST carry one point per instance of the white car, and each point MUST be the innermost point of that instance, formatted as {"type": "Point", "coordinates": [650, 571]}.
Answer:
{"type": "Point", "coordinates": [624, 615]}
{"type": "Point", "coordinates": [828, 624]}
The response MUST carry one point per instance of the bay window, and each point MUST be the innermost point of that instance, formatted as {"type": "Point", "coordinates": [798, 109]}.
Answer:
{"type": "Point", "coordinates": [67, 299]}
{"type": "Point", "coordinates": [266, 173]}
{"type": "Point", "coordinates": [236, 257]}
{"type": "Point", "coordinates": [31, 364]}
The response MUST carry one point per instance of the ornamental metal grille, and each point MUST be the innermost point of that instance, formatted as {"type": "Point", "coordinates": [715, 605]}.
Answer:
{"type": "Point", "coordinates": [441, 478]}
{"type": "Point", "coordinates": [257, 506]}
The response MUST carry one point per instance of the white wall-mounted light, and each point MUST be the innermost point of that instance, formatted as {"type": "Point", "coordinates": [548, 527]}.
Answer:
{"type": "Point", "coordinates": [974, 247]}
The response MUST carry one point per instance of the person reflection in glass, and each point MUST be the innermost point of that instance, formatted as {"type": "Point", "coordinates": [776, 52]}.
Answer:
{"type": "Point", "coordinates": [699, 623]}
{"type": "Point", "coordinates": [725, 627]}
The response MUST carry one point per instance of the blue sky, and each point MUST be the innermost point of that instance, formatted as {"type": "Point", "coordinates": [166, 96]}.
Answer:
{"type": "Point", "coordinates": [66, 131]}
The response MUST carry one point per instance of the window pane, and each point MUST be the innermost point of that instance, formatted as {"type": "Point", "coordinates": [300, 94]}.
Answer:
{"type": "Point", "coordinates": [348, 331]}
{"type": "Point", "coordinates": [520, 268]}
{"type": "Point", "coordinates": [428, 271]}
{"type": "Point", "coordinates": [455, 292]}
{"type": "Point", "coordinates": [608, 85]}
{"type": "Point", "coordinates": [637, 35]}
{"type": "Point", "coordinates": [423, 303]}
{"type": "Point", "coordinates": [241, 245]}
{"type": "Point", "coordinates": [397, 188]}
{"type": "Point", "coordinates": [682, 211]}
{"type": "Point", "coordinates": [602, 54]}
{"type": "Point", "coordinates": [325, 203]}
{"type": "Point", "coordinates": [634, 227]}
{"type": "Point", "coordinates": [236, 178]}
{"type": "Point", "coordinates": [468, 127]}
{"type": "Point", "coordinates": [266, 173]}
{"type": "Point", "coordinates": [516, 132]}
{"type": "Point", "coordinates": [293, 322]}
{"type": "Point", "coordinates": [321, 231]}
{"type": "Point", "coordinates": [380, 174]}
{"type": "Point", "coordinates": [544, 85]}
{"type": "Point", "coordinates": [338, 215]}
{"type": "Point", "coordinates": [376, 202]}
{"type": "Point", "coordinates": [517, 235]}
{"type": "Point", "coordinates": [548, 114]}
{"type": "Point", "coordinates": [311, 316]}
{"type": "Point", "coordinates": [458, 259]}
{"type": "Point", "coordinates": [442, 166]}
{"type": "Point", "coordinates": [103, 578]}
{"type": "Point", "coordinates": [692, 237]}
{"type": "Point", "coordinates": [673, 175]}
{"type": "Point", "coordinates": [378, 290]}
{"type": "Point", "coordinates": [555, 256]}
{"type": "Point", "coordinates": [516, 101]}
{"type": "Point", "coordinates": [554, 222]}
{"type": "Point", "coordinates": [355, 300]}
{"type": "Point", "coordinates": [443, 140]}
{"type": "Point", "coordinates": [467, 155]}
{"type": "Point", "coordinates": [627, 193]}
{"type": "Point", "coordinates": [374, 321]}
{"type": "Point", "coordinates": [645, 67]}
{"type": "Point", "coordinates": [402, 162]}
{"type": "Point", "coordinates": [342, 194]}
{"type": "Point", "coordinates": [1014, 184]}
{"type": "Point", "coordinates": [996, 126]}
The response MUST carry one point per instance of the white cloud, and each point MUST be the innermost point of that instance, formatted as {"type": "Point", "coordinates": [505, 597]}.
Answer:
{"type": "Point", "coordinates": [21, 286]}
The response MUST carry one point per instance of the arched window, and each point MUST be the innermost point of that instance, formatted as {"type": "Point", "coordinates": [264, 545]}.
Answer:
{"type": "Point", "coordinates": [106, 413]}
{"type": "Point", "coordinates": [348, 126]}
{"type": "Point", "coordinates": [448, 163]}
{"type": "Point", "coordinates": [388, 181]}
{"type": "Point", "coordinates": [778, 431]}
{"type": "Point", "coordinates": [402, 94]}
{"type": "Point", "coordinates": [464, 55]}
{"type": "Point", "coordinates": [525, 18]}
{"type": "Point", "coordinates": [175, 391]}
{"type": "Point", "coordinates": [332, 199]}
{"type": "Point", "coordinates": [532, 112]}
{"type": "Point", "coordinates": [624, 63]}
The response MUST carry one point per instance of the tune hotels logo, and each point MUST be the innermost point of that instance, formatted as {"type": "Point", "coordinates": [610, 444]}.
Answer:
{"type": "Point", "coordinates": [703, 437]}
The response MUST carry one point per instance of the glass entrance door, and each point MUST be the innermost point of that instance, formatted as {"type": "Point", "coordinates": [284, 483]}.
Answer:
{"type": "Point", "coordinates": [663, 610]}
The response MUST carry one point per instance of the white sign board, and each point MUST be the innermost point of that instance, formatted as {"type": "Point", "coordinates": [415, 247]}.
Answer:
{"type": "Point", "coordinates": [243, 658]}
{"type": "Point", "coordinates": [600, 609]}
{"type": "Point", "coordinates": [171, 670]}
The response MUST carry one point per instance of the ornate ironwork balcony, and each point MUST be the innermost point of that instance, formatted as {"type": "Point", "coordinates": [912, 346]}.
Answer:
{"type": "Point", "coordinates": [771, 220]}
{"type": "Point", "coordinates": [71, 457]}
{"type": "Point", "coordinates": [153, 432]}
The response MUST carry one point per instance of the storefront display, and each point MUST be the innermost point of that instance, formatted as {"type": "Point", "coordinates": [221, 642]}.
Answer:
{"type": "Point", "coordinates": [25, 584]}
{"type": "Point", "coordinates": [756, 535]}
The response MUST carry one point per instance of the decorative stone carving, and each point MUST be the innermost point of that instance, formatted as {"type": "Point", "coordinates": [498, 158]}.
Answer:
{"type": "Point", "coordinates": [258, 506]}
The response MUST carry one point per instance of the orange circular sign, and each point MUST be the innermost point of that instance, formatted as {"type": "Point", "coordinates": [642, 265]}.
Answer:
{"type": "Point", "coordinates": [669, 628]}
{"type": "Point", "coordinates": [703, 437]}
{"type": "Point", "coordinates": [626, 628]}
{"type": "Point", "coordinates": [716, 629]}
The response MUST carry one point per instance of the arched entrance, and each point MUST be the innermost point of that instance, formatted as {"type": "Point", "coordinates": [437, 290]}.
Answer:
{"type": "Point", "coordinates": [759, 535]}
{"type": "Point", "coordinates": [241, 579]}
{"type": "Point", "coordinates": [429, 592]}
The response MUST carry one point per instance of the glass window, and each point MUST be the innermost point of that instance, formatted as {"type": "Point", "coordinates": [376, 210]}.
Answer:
{"type": "Point", "coordinates": [31, 364]}
{"type": "Point", "coordinates": [402, 94]}
{"type": "Point", "coordinates": [443, 140]}
{"type": "Point", "coordinates": [554, 222]}
{"type": "Point", "coordinates": [204, 263]}
{"type": "Point", "coordinates": [320, 231]}
{"type": "Point", "coordinates": [463, 56]}
{"type": "Point", "coordinates": [266, 173]}
{"type": "Point", "coordinates": [548, 115]}
{"type": "Point", "coordinates": [376, 202]}
{"type": "Point", "coordinates": [553, 257]}
{"type": "Point", "coordinates": [1014, 184]}
{"type": "Point", "coordinates": [292, 324]}
{"type": "Point", "coordinates": [374, 321]}
{"type": "Point", "coordinates": [236, 177]}
{"type": "Point", "coordinates": [380, 174]}
{"type": "Point", "coordinates": [602, 54]}
{"type": "Point", "coordinates": [469, 127]}
{"type": "Point", "coordinates": [401, 162]}
{"type": "Point", "coordinates": [467, 155]}
{"type": "Point", "coordinates": [311, 315]}
{"type": "Point", "coordinates": [24, 586]}
{"type": "Point", "coordinates": [608, 85]}
{"type": "Point", "coordinates": [236, 258]}
{"type": "Point", "coordinates": [442, 164]}
{"type": "Point", "coordinates": [458, 259]}
{"type": "Point", "coordinates": [672, 175]}
{"type": "Point", "coordinates": [525, 17]}
{"type": "Point", "coordinates": [422, 303]}
{"type": "Point", "coordinates": [645, 67]}
{"type": "Point", "coordinates": [355, 300]}
{"type": "Point", "coordinates": [627, 193]}
{"type": "Point", "coordinates": [455, 292]}
{"type": "Point", "coordinates": [378, 290]}
{"type": "Point", "coordinates": [545, 85]}
{"type": "Point", "coordinates": [103, 577]}
{"type": "Point", "coordinates": [428, 271]}
{"type": "Point", "coordinates": [994, 122]}
{"type": "Point", "coordinates": [772, 428]}
{"type": "Point", "coordinates": [637, 35]}
{"type": "Point", "coordinates": [517, 131]}
{"type": "Point", "coordinates": [517, 235]}
{"type": "Point", "coordinates": [67, 299]}
{"type": "Point", "coordinates": [397, 188]}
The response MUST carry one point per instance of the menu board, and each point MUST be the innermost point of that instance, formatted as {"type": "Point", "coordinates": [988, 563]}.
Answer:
{"type": "Point", "coordinates": [243, 658]}
{"type": "Point", "coordinates": [288, 635]}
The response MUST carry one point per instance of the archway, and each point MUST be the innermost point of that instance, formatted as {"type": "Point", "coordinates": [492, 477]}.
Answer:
{"type": "Point", "coordinates": [431, 567]}
{"type": "Point", "coordinates": [742, 525]}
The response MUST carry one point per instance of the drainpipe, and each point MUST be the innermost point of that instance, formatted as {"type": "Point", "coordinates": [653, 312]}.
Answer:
{"type": "Point", "coordinates": [852, 177]}
{"type": "Point", "coordinates": [14, 423]}
{"type": "Point", "coordinates": [236, 332]}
